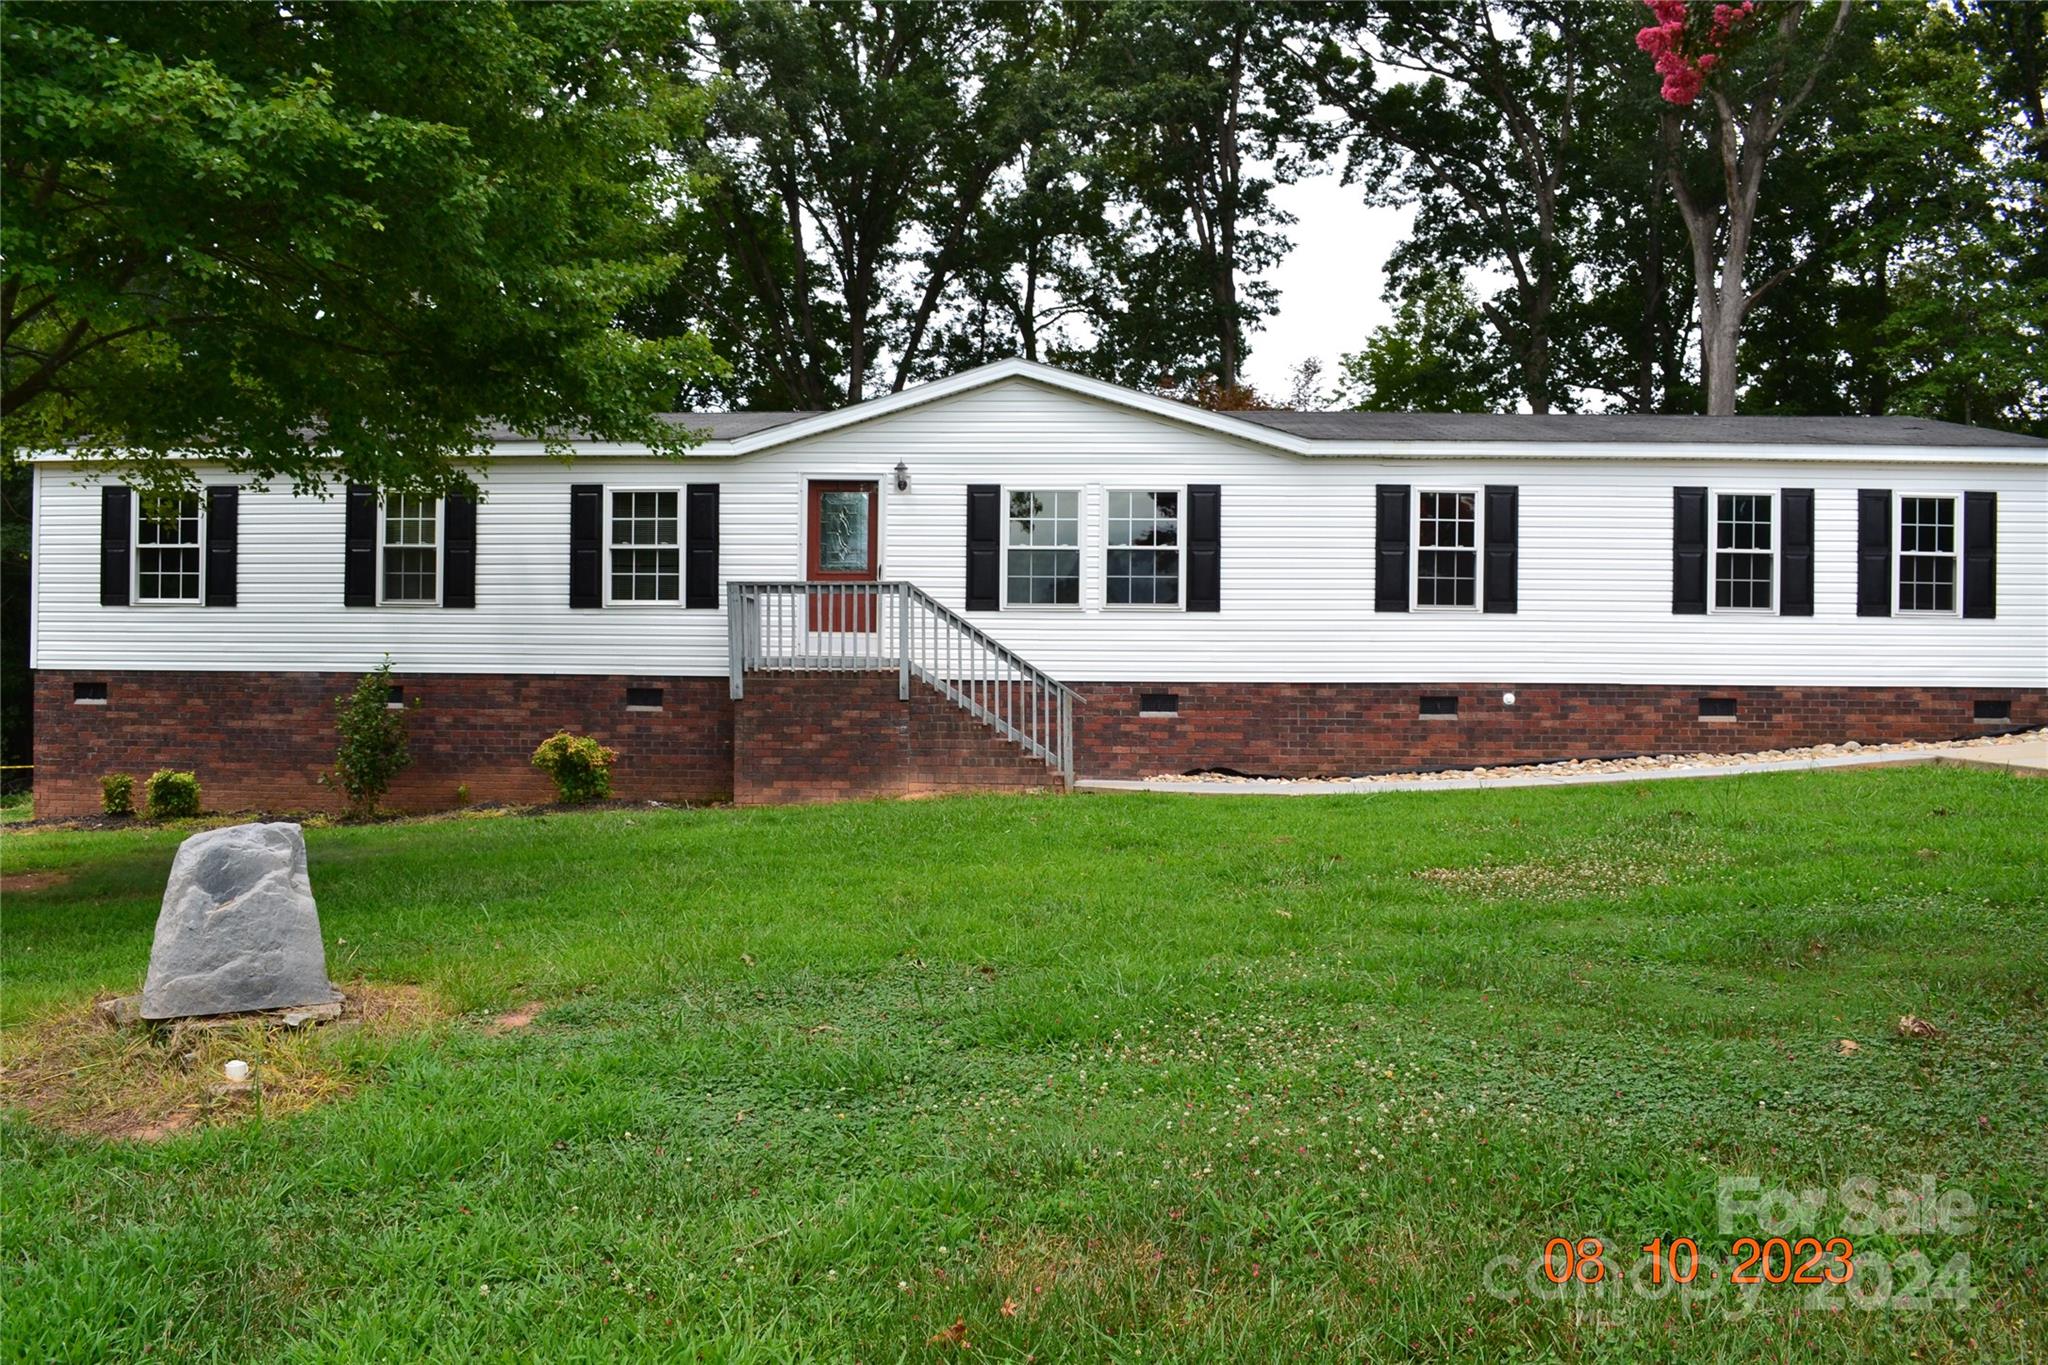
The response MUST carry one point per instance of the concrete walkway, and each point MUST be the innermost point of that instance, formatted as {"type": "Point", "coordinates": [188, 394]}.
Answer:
{"type": "Point", "coordinates": [2028, 759]}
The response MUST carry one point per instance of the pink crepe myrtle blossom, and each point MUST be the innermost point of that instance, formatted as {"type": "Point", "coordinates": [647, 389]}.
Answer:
{"type": "Point", "coordinates": [1687, 42]}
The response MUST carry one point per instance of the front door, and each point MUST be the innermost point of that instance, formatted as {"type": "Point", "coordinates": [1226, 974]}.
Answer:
{"type": "Point", "coordinates": [840, 547]}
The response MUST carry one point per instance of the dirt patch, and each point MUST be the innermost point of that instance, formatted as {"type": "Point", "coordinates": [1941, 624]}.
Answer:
{"type": "Point", "coordinates": [13, 883]}
{"type": "Point", "coordinates": [78, 1073]}
{"type": "Point", "coordinates": [512, 1020]}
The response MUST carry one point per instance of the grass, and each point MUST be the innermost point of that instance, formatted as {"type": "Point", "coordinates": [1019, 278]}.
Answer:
{"type": "Point", "coordinates": [1099, 1077]}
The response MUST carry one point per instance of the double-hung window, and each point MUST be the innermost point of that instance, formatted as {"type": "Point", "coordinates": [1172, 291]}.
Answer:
{"type": "Point", "coordinates": [411, 549]}
{"type": "Point", "coordinates": [1745, 551]}
{"type": "Point", "coordinates": [1447, 549]}
{"type": "Point", "coordinates": [646, 545]}
{"type": "Point", "coordinates": [1042, 552]}
{"type": "Point", "coordinates": [1927, 554]}
{"type": "Point", "coordinates": [1142, 567]}
{"type": "Point", "coordinates": [167, 548]}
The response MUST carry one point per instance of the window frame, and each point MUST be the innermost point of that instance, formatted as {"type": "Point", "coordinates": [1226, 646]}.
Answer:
{"type": "Point", "coordinates": [1416, 547]}
{"type": "Point", "coordinates": [682, 551]}
{"type": "Point", "coordinates": [136, 547]}
{"type": "Point", "coordinates": [1180, 547]}
{"type": "Point", "coordinates": [1080, 601]}
{"type": "Point", "coordinates": [1955, 556]}
{"type": "Point", "coordinates": [440, 548]}
{"type": "Point", "coordinates": [1714, 496]}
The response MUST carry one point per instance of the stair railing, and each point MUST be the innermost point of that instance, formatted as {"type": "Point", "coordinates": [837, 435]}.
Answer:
{"type": "Point", "coordinates": [878, 627]}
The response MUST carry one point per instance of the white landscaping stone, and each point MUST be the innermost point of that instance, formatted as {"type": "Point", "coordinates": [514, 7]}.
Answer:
{"type": "Point", "coordinates": [238, 930]}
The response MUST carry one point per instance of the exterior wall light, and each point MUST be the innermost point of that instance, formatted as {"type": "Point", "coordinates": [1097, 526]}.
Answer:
{"type": "Point", "coordinates": [902, 477]}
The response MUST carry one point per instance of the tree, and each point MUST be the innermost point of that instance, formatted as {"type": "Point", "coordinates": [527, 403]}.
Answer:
{"type": "Point", "coordinates": [1481, 138]}
{"type": "Point", "coordinates": [1747, 70]}
{"type": "Point", "coordinates": [1189, 96]}
{"type": "Point", "coordinates": [851, 153]}
{"type": "Point", "coordinates": [333, 241]}
{"type": "Point", "coordinates": [1433, 357]}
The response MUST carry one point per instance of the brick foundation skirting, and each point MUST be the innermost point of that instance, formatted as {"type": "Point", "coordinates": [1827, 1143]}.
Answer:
{"type": "Point", "coordinates": [1333, 729]}
{"type": "Point", "coordinates": [261, 741]}
{"type": "Point", "coordinates": [827, 737]}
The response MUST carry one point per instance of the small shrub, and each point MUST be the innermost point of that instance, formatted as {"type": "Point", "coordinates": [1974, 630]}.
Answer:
{"type": "Point", "coordinates": [581, 767]}
{"type": "Point", "coordinates": [373, 743]}
{"type": "Point", "coordinates": [461, 793]}
{"type": "Point", "coordinates": [117, 794]}
{"type": "Point", "coordinates": [172, 795]}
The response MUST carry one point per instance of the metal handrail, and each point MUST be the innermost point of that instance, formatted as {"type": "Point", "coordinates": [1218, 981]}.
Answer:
{"type": "Point", "coordinates": [871, 627]}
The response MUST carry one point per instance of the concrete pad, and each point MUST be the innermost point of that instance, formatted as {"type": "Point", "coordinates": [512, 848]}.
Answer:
{"type": "Point", "coordinates": [2029, 758]}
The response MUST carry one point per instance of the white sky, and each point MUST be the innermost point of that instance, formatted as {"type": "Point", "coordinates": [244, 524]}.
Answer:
{"type": "Point", "coordinates": [1329, 284]}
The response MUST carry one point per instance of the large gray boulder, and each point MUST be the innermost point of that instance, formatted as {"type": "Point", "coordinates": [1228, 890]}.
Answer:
{"type": "Point", "coordinates": [238, 930]}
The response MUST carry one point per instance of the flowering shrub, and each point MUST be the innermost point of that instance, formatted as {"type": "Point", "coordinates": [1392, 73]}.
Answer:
{"type": "Point", "coordinates": [581, 767]}
{"type": "Point", "coordinates": [1689, 42]}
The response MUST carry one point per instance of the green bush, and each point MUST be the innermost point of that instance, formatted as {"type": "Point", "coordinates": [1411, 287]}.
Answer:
{"type": "Point", "coordinates": [373, 742]}
{"type": "Point", "coordinates": [117, 794]}
{"type": "Point", "coordinates": [172, 795]}
{"type": "Point", "coordinates": [581, 767]}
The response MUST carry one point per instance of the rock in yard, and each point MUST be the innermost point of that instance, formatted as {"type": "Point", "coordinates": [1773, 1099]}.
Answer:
{"type": "Point", "coordinates": [238, 930]}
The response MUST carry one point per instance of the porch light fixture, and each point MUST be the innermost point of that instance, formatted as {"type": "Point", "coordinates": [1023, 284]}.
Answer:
{"type": "Point", "coordinates": [902, 477]}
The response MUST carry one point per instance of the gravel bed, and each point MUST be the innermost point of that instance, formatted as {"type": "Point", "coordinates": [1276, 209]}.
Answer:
{"type": "Point", "coordinates": [1579, 766]}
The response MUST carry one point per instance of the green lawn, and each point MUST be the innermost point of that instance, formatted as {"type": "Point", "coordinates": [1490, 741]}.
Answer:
{"type": "Point", "coordinates": [1220, 1078]}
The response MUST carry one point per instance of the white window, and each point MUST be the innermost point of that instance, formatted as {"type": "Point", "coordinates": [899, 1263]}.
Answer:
{"type": "Point", "coordinates": [1142, 567]}
{"type": "Point", "coordinates": [1042, 549]}
{"type": "Point", "coordinates": [1927, 554]}
{"type": "Point", "coordinates": [1447, 549]}
{"type": "Point", "coordinates": [167, 547]}
{"type": "Point", "coordinates": [646, 545]}
{"type": "Point", "coordinates": [1745, 549]}
{"type": "Point", "coordinates": [411, 548]}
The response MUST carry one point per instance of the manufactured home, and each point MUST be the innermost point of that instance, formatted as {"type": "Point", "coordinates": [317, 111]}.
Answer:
{"type": "Point", "coordinates": [1017, 577]}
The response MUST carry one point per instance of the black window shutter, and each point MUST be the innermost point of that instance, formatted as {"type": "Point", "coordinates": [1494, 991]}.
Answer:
{"type": "Point", "coordinates": [223, 537]}
{"type": "Point", "coordinates": [1874, 552]}
{"type": "Point", "coordinates": [586, 545]}
{"type": "Point", "coordinates": [1688, 551]}
{"type": "Point", "coordinates": [117, 531]}
{"type": "Point", "coordinates": [1795, 539]}
{"type": "Point", "coordinates": [359, 566]}
{"type": "Point", "coordinates": [1980, 555]}
{"type": "Point", "coordinates": [984, 553]}
{"type": "Point", "coordinates": [1390, 560]}
{"type": "Point", "coordinates": [1503, 535]}
{"type": "Point", "coordinates": [1205, 547]}
{"type": "Point", "coordinates": [700, 539]}
{"type": "Point", "coordinates": [458, 530]}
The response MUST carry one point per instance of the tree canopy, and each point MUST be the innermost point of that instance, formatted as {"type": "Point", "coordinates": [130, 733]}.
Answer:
{"type": "Point", "coordinates": [335, 240]}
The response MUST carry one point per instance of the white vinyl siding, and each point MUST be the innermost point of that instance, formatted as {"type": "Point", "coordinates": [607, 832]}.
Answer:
{"type": "Point", "coordinates": [1595, 557]}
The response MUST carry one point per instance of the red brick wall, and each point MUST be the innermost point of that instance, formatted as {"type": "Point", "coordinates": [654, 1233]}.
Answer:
{"type": "Point", "coordinates": [827, 737]}
{"type": "Point", "coordinates": [1316, 729]}
{"type": "Point", "coordinates": [260, 741]}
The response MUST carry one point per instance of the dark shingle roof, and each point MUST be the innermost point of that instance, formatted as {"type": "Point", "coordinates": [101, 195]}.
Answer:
{"type": "Point", "coordinates": [1617, 428]}
{"type": "Point", "coordinates": [1620, 428]}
